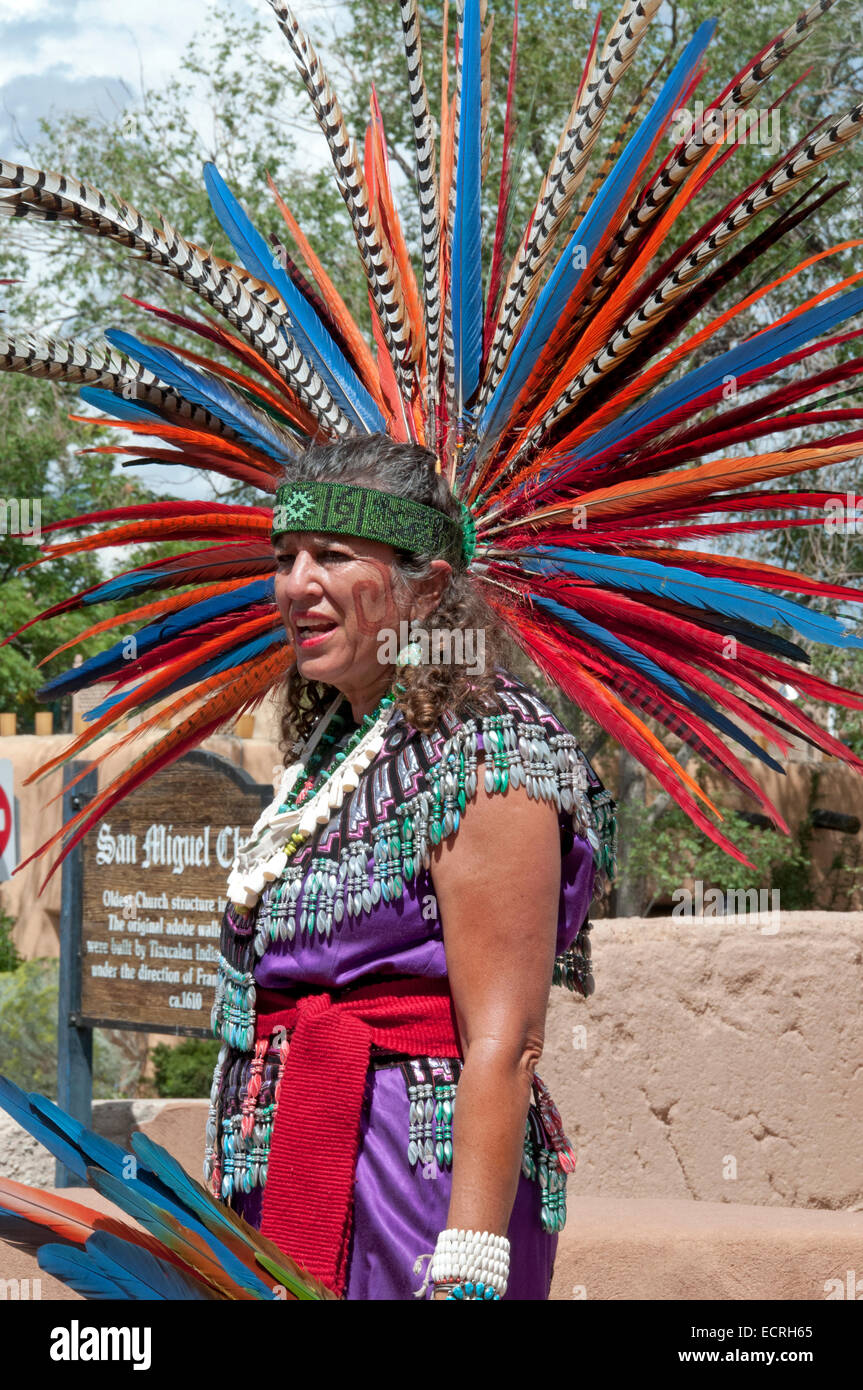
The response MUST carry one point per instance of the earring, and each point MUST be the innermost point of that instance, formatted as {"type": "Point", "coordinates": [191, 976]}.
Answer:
{"type": "Point", "coordinates": [411, 655]}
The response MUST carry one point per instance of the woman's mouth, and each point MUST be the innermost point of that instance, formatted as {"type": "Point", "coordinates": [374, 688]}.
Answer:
{"type": "Point", "coordinates": [313, 636]}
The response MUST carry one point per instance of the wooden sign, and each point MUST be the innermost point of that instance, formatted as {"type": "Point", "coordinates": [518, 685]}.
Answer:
{"type": "Point", "coordinates": [153, 876]}
{"type": "Point", "coordinates": [83, 701]}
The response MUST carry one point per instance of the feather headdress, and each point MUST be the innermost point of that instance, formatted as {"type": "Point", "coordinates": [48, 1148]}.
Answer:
{"type": "Point", "coordinates": [577, 407]}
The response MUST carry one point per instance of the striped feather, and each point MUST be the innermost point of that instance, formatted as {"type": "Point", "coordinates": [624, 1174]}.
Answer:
{"type": "Point", "coordinates": [376, 257]}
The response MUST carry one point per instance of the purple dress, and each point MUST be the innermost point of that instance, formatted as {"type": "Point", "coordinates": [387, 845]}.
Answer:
{"type": "Point", "coordinates": [399, 1207]}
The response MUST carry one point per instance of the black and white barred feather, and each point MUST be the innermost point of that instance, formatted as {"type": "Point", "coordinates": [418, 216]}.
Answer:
{"type": "Point", "coordinates": [76, 363]}
{"type": "Point", "coordinates": [645, 210]}
{"type": "Point", "coordinates": [427, 191]}
{"type": "Point", "coordinates": [35, 193]}
{"type": "Point", "coordinates": [380, 267]}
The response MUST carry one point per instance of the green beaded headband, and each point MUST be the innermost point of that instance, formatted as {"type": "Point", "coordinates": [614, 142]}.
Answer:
{"type": "Point", "coordinates": [347, 510]}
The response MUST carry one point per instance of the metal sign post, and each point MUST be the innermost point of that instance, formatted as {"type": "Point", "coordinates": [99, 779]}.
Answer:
{"type": "Point", "coordinates": [74, 1042]}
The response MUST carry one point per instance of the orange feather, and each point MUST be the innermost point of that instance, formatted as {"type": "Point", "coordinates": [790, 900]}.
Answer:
{"type": "Point", "coordinates": [149, 688]}
{"type": "Point", "coordinates": [363, 359]}
{"type": "Point", "coordinates": [160, 608]}
{"type": "Point", "coordinates": [200, 526]}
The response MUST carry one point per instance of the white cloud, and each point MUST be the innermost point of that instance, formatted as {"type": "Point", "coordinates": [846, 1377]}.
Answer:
{"type": "Point", "coordinates": [85, 56]}
{"type": "Point", "coordinates": [93, 56]}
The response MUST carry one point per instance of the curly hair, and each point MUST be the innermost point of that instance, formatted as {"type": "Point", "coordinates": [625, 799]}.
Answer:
{"type": "Point", "coordinates": [404, 470]}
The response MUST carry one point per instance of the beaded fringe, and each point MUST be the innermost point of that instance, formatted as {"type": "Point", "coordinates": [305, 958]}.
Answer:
{"type": "Point", "coordinates": [243, 1103]}
{"type": "Point", "coordinates": [316, 895]}
{"type": "Point", "coordinates": [245, 1096]}
{"type": "Point", "coordinates": [573, 968]}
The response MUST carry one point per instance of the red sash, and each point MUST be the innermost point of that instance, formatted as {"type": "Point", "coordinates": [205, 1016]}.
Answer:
{"type": "Point", "coordinates": [308, 1197]}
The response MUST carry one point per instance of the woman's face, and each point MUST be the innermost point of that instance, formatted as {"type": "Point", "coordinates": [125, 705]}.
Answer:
{"type": "Point", "coordinates": [335, 595]}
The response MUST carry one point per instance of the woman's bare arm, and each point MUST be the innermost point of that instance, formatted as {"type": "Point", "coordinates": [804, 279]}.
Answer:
{"type": "Point", "coordinates": [497, 883]}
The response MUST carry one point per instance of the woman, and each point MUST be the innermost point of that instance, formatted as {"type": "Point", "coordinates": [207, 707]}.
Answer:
{"type": "Point", "coordinates": [392, 922]}
{"type": "Point", "coordinates": [498, 898]}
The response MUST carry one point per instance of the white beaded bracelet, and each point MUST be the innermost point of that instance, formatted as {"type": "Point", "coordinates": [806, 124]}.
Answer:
{"type": "Point", "coordinates": [477, 1257]}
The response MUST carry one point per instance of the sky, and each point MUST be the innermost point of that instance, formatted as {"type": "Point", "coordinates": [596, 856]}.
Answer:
{"type": "Point", "coordinates": [96, 56]}
{"type": "Point", "coordinates": [91, 55]}
{"type": "Point", "coordinates": [84, 55]}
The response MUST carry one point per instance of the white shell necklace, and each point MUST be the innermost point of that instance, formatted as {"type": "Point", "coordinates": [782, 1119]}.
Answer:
{"type": "Point", "coordinates": [262, 857]}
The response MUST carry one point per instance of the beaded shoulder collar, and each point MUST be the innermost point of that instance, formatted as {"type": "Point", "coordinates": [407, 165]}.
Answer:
{"type": "Point", "coordinates": [413, 796]}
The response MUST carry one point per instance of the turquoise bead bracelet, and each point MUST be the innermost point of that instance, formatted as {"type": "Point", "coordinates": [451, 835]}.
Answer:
{"type": "Point", "coordinates": [469, 1292]}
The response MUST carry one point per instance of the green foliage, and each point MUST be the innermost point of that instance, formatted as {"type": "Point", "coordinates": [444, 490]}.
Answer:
{"type": "Point", "coordinates": [669, 850]}
{"type": "Point", "coordinates": [28, 1037]}
{"type": "Point", "coordinates": [9, 957]}
{"type": "Point", "coordinates": [841, 667]}
{"type": "Point", "coordinates": [185, 1070]}
{"type": "Point", "coordinates": [841, 881]}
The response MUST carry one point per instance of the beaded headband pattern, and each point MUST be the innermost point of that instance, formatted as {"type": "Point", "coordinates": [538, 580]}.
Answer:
{"type": "Point", "coordinates": [344, 509]}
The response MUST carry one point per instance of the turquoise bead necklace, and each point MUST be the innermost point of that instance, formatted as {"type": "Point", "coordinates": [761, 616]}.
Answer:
{"type": "Point", "coordinates": [322, 764]}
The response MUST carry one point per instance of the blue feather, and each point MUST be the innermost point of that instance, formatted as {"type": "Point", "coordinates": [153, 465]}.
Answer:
{"type": "Point", "coordinates": [757, 606]}
{"type": "Point", "coordinates": [113, 659]}
{"type": "Point", "coordinates": [142, 1275]}
{"type": "Point", "coordinates": [234, 656]}
{"type": "Point", "coordinates": [159, 1161]}
{"type": "Point", "coordinates": [17, 1104]}
{"type": "Point", "coordinates": [630, 656]}
{"type": "Point", "coordinates": [585, 239]}
{"type": "Point", "coordinates": [113, 403]}
{"type": "Point", "coordinates": [193, 1196]}
{"type": "Point", "coordinates": [131, 1198]}
{"type": "Point", "coordinates": [206, 390]}
{"type": "Point", "coordinates": [466, 293]}
{"type": "Point", "coordinates": [746, 357]}
{"type": "Point", "coordinates": [125, 1178]}
{"type": "Point", "coordinates": [78, 1147]}
{"type": "Point", "coordinates": [75, 1268]}
{"type": "Point", "coordinates": [124, 586]}
{"type": "Point", "coordinates": [93, 1147]}
{"type": "Point", "coordinates": [312, 336]}
{"type": "Point", "coordinates": [135, 581]}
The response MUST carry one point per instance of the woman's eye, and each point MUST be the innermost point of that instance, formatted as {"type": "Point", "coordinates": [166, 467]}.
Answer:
{"type": "Point", "coordinates": [324, 555]}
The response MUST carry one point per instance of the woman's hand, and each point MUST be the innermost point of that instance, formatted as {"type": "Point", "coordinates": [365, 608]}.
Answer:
{"type": "Point", "coordinates": [497, 882]}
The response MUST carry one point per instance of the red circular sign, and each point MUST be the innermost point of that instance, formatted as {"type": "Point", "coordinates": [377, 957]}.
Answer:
{"type": "Point", "coordinates": [5, 821]}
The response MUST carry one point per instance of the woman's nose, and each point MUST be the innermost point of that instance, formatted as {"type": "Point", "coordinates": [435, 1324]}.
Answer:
{"type": "Point", "coordinates": [303, 577]}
